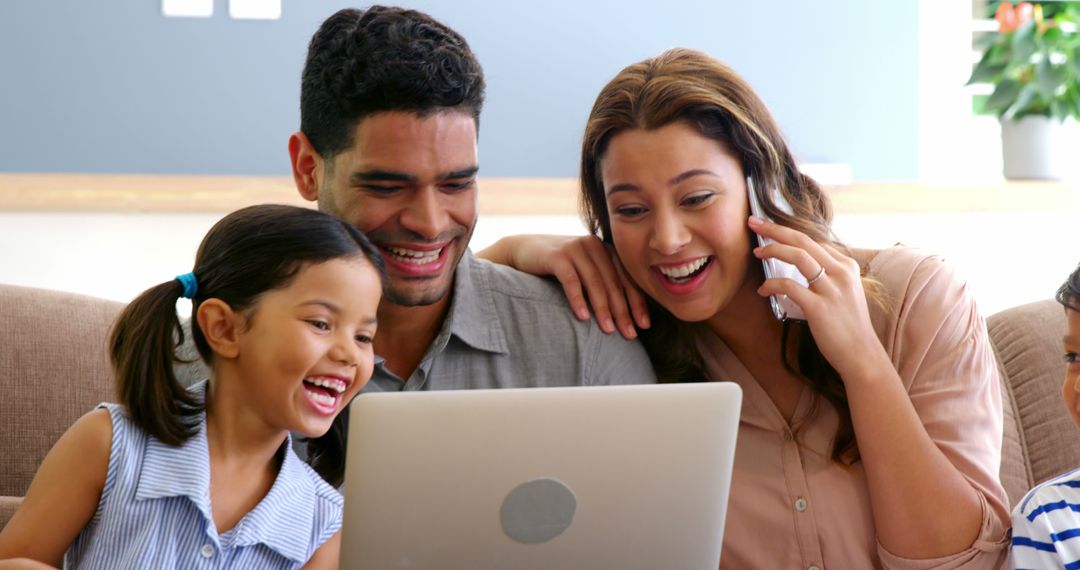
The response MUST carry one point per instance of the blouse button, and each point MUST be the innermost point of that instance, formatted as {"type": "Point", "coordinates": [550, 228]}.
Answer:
{"type": "Point", "coordinates": [787, 436]}
{"type": "Point", "coordinates": [207, 550]}
{"type": "Point", "coordinates": [800, 505]}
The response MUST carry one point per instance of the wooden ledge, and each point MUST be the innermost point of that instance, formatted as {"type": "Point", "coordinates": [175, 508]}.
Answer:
{"type": "Point", "coordinates": [211, 194]}
{"type": "Point", "coordinates": [1001, 197]}
{"type": "Point", "coordinates": [513, 196]}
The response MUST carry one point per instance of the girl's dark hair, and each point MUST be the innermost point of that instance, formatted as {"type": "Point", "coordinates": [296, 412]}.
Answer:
{"type": "Point", "coordinates": [1069, 292]}
{"type": "Point", "coordinates": [247, 253]}
{"type": "Point", "coordinates": [682, 85]}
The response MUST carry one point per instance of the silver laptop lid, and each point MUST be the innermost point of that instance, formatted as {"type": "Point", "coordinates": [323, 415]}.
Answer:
{"type": "Point", "coordinates": [621, 477]}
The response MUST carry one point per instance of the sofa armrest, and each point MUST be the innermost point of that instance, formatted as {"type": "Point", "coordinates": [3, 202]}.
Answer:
{"type": "Point", "coordinates": [1027, 341]}
{"type": "Point", "coordinates": [8, 506]}
{"type": "Point", "coordinates": [53, 369]}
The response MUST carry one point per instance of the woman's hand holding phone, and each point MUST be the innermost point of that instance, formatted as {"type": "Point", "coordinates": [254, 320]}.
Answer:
{"type": "Point", "coordinates": [834, 306]}
{"type": "Point", "coordinates": [782, 306]}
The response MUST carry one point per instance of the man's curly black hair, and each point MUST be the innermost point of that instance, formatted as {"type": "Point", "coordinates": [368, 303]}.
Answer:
{"type": "Point", "coordinates": [362, 62]}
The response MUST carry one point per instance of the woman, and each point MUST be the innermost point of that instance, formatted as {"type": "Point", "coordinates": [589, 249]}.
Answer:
{"type": "Point", "coordinates": [870, 434]}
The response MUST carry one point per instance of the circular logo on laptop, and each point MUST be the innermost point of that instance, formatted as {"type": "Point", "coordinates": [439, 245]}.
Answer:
{"type": "Point", "coordinates": [537, 511]}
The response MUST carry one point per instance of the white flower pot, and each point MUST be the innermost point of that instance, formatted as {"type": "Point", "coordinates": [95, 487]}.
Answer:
{"type": "Point", "coordinates": [1036, 147]}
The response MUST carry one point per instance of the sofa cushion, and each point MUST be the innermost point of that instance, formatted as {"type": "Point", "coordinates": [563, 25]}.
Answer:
{"type": "Point", "coordinates": [53, 369]}
{"type": "Point", "coordinates": [1044, 442]}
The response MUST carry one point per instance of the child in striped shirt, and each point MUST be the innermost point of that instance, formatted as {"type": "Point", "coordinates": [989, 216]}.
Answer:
{"type": "Point", "coordinates": [1046, 523]}
{"type": "Point", "coordinates": [284, 304]}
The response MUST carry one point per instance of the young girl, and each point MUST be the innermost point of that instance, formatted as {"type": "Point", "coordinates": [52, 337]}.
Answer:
{"type": "Point", "coordinates": [1046, 523]}
{"type": "Point", "coordinates": [283, 312]}
{"type": "Point", "coordinates": [870, 434]}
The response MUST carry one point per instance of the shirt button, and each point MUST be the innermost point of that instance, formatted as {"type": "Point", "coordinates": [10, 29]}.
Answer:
{"type": "Point", "coordinates": [813, 567]}
{"type": "Point", "coordinates": [787, 436]}
{"type": "Point", "coordinates": [207, 550]}
{"type": "Point", "coordinates": [800, 505]}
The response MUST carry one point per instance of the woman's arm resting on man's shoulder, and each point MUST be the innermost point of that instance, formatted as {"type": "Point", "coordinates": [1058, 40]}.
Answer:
{"type": "Point", "coordinates": [64, 494]}
{"type": "Point", "coordinates": [586, 268]}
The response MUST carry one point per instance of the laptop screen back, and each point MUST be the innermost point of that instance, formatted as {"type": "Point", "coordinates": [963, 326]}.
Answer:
{"type": "Point", "coordinates": [586, 477]}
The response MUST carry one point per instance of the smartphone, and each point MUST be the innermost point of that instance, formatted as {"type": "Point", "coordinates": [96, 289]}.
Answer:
{"type": "Point", "coordinates": [783, 307]}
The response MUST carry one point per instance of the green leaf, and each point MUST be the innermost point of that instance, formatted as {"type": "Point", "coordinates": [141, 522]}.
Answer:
{"type": "Point", "coordinates": [1023, 42]}
{"type": "Point", "coordinates": [1069, 15]}
{"type": "Point", "coordinates": [1024, 104]}
{"type": "Point", "coordinates": [1059, 110]}
{"type": "Point", "coordinates": [978, 105]}
{"type": "Point", "coordinates": [997, 53]}
{"type": "Point", "coordinates": [1003, 97]}
{"type": "Point", "coordinates": [1048, 77]}
{"type": "Point", "coordinates": [1072, 96]}
{"type": "Point", "coordinates": [986, 70]}
{"type": "Point", "coordinates": [1052, 35]}
{"type": "Point", "coordinates": [985, 40]}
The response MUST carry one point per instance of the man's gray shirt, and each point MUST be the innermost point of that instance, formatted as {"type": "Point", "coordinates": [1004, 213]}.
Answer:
{"type": "Point", "coordinates": [508, 329]}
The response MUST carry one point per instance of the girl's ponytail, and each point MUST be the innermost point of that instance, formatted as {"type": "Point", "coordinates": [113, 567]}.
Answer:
{"type": "Point", "coordinates": [142, 348]}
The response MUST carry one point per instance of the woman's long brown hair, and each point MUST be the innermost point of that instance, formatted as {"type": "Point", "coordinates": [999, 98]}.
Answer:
{"type": "Point", "coordinates": [692, 87]}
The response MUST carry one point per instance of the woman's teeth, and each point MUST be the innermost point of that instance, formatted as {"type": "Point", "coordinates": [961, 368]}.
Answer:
{"type": "Point", "coordinates": [681, 272]}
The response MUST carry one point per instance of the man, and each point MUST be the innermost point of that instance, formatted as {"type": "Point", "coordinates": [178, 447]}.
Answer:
{"type": "Point", "coordinates": [389, 110]}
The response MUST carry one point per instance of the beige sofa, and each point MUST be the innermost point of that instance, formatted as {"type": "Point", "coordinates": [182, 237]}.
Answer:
{"type": "Point", "coordinates": [1040, 440]}
{"type": "Point", "coordinates": [53, 369]}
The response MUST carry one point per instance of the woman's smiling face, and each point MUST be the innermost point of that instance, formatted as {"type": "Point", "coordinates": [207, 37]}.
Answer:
{"type": "Point", "coordinates": [678, 208]}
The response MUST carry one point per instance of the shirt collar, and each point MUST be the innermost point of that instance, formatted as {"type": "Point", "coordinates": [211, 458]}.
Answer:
{"type": "Point", "coordinates": [472, 316]}
{"type": "Point", "coordinates": [182, 471]}
{"type": "Point", "coordinates": [282, 520]}
{"type": "Point", "coordinates": [758, 409]}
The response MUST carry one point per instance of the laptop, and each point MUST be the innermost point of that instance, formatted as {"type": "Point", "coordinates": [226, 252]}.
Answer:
{"type": "Point", "coordinates": [628, 477]}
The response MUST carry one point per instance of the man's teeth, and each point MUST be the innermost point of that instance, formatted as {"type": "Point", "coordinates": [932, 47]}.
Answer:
{"type": "Point", "coordinates": [414, 256]}
{"type": "Point", "coordinates": [684, 270]}
{"type": "Point", "coordinates": [329, 383]}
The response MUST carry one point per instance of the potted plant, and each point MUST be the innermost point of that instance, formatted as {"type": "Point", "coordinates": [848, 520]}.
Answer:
{"type": "Point", "coordinates": [1033, 63]}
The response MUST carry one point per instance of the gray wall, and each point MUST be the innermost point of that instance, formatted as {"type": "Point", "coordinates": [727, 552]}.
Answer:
{"type": "Point", "coordinates": [113, 86]}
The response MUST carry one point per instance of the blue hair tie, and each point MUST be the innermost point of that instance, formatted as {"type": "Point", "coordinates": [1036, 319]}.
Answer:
{"type": "Point", "coordinates": [191, 286]}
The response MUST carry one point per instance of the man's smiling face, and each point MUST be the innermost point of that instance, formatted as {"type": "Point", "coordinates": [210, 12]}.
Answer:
{"type": "Point", "coordinates": [409, 183]}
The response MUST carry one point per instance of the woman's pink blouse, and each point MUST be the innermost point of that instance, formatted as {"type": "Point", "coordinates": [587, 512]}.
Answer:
{"type": "Point", "coordinates": [792, 507]}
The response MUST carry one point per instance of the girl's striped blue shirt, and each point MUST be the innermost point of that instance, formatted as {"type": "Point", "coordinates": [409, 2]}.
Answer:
{"type": "Point", "coordinates": [155, 511]}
